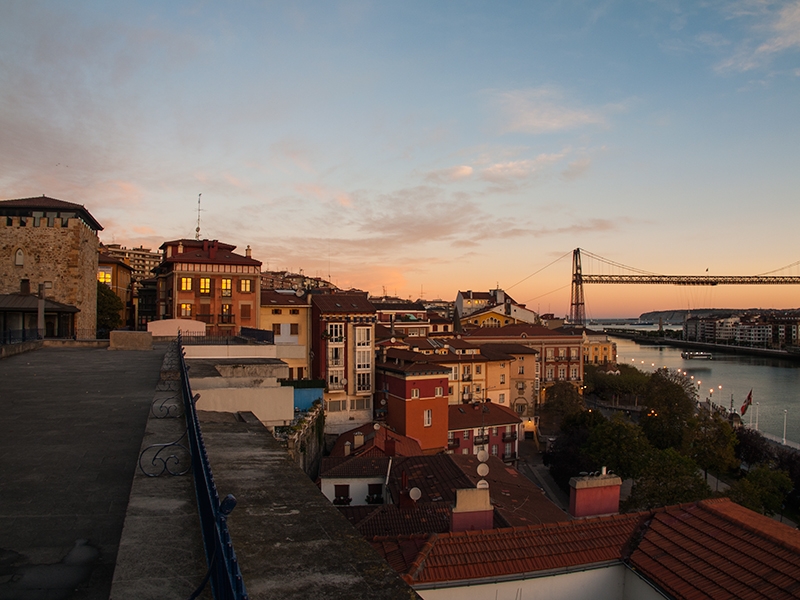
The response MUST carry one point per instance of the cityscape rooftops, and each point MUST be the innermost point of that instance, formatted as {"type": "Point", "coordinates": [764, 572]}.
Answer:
{"type": "Point", "coordinates": [480, 414]}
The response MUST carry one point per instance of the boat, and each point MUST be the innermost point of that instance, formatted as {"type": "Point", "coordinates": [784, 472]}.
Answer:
{"type": "Point", "coordinates": [701, 355]}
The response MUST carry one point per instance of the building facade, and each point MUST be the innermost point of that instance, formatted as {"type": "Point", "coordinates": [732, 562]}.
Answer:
{"type": "Point", "coordinates": [287, 314]}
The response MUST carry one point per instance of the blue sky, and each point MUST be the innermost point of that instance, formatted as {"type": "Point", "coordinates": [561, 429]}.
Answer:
{"type": "Point", "coordinates": [424, 147]}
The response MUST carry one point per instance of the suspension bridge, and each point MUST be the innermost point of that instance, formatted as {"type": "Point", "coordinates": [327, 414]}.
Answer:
{"type": "Point", "coordinates": [577, 309]}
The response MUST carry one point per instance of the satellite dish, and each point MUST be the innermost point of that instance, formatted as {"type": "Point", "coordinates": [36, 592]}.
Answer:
{"type": "Point", "coordinates": [383, 402]}
{"type": "Point", "coordinates": [482, 485]}
{"type": "Point", "coordinates": [483, 469]}
{"type": "Point", "coordinates": [376, 426]}
{"type": "Point", "coordinates": [344, 381]}
{"type": "Point", "coordinates": [414, 494]}
{"type": "Point", "coordinates": [483, 456]}
{"type": "Point", "coordinates": [298, 293]}
{"type": "Point", "coordinates": [393, 340]}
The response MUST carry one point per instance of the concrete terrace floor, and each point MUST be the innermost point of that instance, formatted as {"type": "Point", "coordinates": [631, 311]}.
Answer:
{"type": "Point", "coordinates": [71, 428]}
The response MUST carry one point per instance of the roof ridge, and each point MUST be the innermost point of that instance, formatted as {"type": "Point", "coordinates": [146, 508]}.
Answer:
{"type": "Point", "coordinates": [419, 563]}
{"type": "Point", "coordinates": [707, 505]}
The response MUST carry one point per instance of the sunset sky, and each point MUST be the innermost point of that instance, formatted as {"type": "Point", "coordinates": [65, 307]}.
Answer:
{"type": "Point", "coordinates": [424, 147]}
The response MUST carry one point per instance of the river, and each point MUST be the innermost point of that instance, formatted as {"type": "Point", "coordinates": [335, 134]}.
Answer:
{"type": "Point", "coordinates": [775, 383]}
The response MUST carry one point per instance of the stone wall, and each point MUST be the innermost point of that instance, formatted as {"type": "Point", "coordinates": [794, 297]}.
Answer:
{"type": "Point", "coordinates": [64, 256]}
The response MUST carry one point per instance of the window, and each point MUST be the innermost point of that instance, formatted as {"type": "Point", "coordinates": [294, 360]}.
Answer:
{"type": "Point", "coordinates": [226, 287]}
{"type": "Point", "coordinates": [360, 404]}
{"type": "Point", "coordinates": [186, 310]}
{"type": "Point", "coordinates": [244, 310]}
{"type": "Point", "coordinates": [438, 392]}
{"type": "Point", "coordinates": [466, 434]}
{"type": "Point", "coordinates": [522, 369]}
{"type": "Point", "coordinates": [276, 328]}
{"type": "Point", "coordinates": [574, 373]}
{"type": "Point", "coordinates": [364, 382]}
{"type": "Point", "coordinates": [502, 378]}
{"type": "Point", "coordinates": [494, 449]}
{"type": "Point", "coordinates": [186, 284]}
{"type": "Point", "coordinates": [453, 375]}
{"type": "Point", "coordinates": [415, 392]}
{"type": "Point", "coordinates": [428, 417]}
{"type": "Point", "coordinates": [502, 398]}
{"type": "Point", "coordinates": [244, 285]}
{"type": "Point", "coordinates": [337, 405]}
{"type": "Point", "coordinates": [562, 353]}
{"type": "Point", "coordinates": [477, 369]}
{"type": "Point", "coordinates": [363, 359]}
{"type": "Point", "coordinates": [574, 353]}
{"type": "Point", "coordinates": [277, 311]}
{"type": "Point", "coordinates": [104, 275]}
{"type": "Point", "coordinates": [363, 336]}
{"type": "Point", "coordinates": [294, 311]}
{"type": "Point", "coordinates": [465, 451]}
{"type": "Point", "coordinates": [549, 373]}
{"type": "Point", "coordinates": [342, 491]}
{"type": "Point", "coordinates": [562, 372]}
{"type": "Point", "coordinates": [336, 332]}
{"type": "Point", "coordinates": [494, 431]}
{"type": "Point", "coordinates": [205, 285]}
{"type": "Point", "coordinates": [549, 354]}
{"type": "Point", "coordinates": [375, 489]}
{"type": "Point", "coordinates": [520, 385]}
{"type": "Point", "coordinates": [449, 390]}
{"type": "Point", "coordinates": [294, 328]}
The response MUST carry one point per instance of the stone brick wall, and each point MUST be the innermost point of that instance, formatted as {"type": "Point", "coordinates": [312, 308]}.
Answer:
{"type": "Point", "coordinates": [65, 256]}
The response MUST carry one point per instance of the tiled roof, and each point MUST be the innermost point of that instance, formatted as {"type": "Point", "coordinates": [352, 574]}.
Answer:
{"type": "Point", "coordinates": [436, 476]}
{"type": "Point", "coordinates": [470, 295]}
{"type": "Point", "coordinates": [343, 303]}
{"type": "Point", "coordinates": [201, 251]}
{"type": "Point", "coordinates": [47, 203]}
{"type": "Point", "coordinates": [392, 519]}
{"type": "Point", "coordinates": [375, 442]}
{"type": "Point", "coordinates": [273, 298]}
{"type": "Point", "coordinates": [517, 331]}
{"type": "Point", "coordinates": [507, 349]}
{"type": "Point", "coordinates": [356, 467]}
{"type": "Point", "coordinates": [517, 500]}
{"type": "Point", "coordinates": [513, 551]}
{"type": "Point", "coordinates": [717, 549]}
{"type": "Point", "coordinates": [30, 303]}
{"type": "Point", "coordinates": [480, 414]}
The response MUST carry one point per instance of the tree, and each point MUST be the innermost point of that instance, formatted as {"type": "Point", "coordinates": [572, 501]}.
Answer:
{"type": "Point", "coordinates": [667, 478]}
{"type": "Point", "coordinates": [762, 490]}
{"type": "Point", "coordinates": [563, 399]}
{"type": "Point", "coordinates": [619, 445]}
{"type": "Point", "coordinates": [752, 447]}
{"type": "Point", "coordinates": [567, 457]}
{"type": "Point", "coordinates": [109, 307]}
{"type": "Point", "coordinates": [713, 443]}
{"type": "Point", "coordinates": [670, 414]}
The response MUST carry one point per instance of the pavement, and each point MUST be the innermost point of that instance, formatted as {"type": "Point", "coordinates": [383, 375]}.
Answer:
{"type": "Point", "coordinates": [73, 421]}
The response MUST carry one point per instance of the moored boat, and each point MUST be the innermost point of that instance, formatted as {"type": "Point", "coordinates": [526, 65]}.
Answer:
{"type": "Point", "coordinates": [693, 354]}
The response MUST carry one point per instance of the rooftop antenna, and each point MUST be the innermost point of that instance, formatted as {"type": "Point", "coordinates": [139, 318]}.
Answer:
{"type": "Point", "coordinates": [197, 230]}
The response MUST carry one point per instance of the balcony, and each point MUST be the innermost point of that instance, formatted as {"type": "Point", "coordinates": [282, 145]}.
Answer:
{"type": "Point", "coordinates": [466, 377]}
{"type": "Point", "coordinates": [205, 318]}
{"type": "Point", "coordinates": [480, 440]}
{"type": "Point", "coordinates": [466, 397]}
{"type": "Point", "coordinates": [510, 437]}
{"type": "Point", "coordinates": [510, 457]}
{"type": "Point", "coordinates": [335, 362]}
{"type": "Point", "coordinates": [453, 443]}
{"type": "Point", "coordinates": [335, 386]}
{"type": "Point", "coordinates": [342, 501]}
{"type": "Point", "coordinates": [226, 319]}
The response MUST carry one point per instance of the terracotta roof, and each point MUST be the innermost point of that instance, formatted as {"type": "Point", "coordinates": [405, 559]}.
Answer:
{"type": "Point", "coordinates": [375, 442]}
{"type": "Point", "coordinates": [391, 519]}
{"type": "Point", "coordinates": [717, 549]}
{"type": "Point", "coordinates": [356, 467]}
{"type": "Point", "coordinates": [207, 251]}
{"type": "Point", "coordinates": [403, 306]}
{"type": "Point", "coordinates": [436, 476]}
{"type": "Point", "coordinates": [480, 414]}
{"type": "Point", "coordinates": [516, 499]}
{"type": "Point", "coordinates": [516, 331]}
{"type": "Point", "coordinates": [509, 349]}
{"type": "Point", "coordinates": [274, 298]}
{"type": "Point", "coordinates": [23, 206]}
{"type": "Point", "coordinates": [513, 551]}
{"type": "Point", "coordinates": [343, 303]}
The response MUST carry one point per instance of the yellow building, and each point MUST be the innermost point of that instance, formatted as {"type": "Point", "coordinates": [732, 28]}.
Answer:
{"type": "Point", "coordinates": [598, 349]}
{"type": "Point", "coordinates": [287, 314]}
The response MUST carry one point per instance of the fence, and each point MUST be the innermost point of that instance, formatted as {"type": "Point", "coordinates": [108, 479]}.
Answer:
{"type": "Point", "coordinates": [223, 568]}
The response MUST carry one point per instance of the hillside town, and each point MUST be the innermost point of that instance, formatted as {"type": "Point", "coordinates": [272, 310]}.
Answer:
{"type": "Point", "coordinates": [425, 424]}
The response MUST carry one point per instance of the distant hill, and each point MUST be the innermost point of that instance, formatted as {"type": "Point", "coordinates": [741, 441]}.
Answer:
{"type": "Point", "coordinates": [677, 317]}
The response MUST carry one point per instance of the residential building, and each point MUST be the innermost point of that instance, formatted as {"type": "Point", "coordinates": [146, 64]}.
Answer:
{"type": "Point", "coordinates": [117, 275]}
{"type": "Point", "coordinates": [598, 348]}
{"type": "Point", "coordinates": [287, 314]}
{"type": "Point", "coordinates": [513, 376]}
{"type": "Point", "coordinates": [408, 319]}
{"type": "Point", "coordinates": [484, 426]}
{"type": "Point", "coordinates": [412, 390]}
{"type": "Point", "coordinates": [343, 346]}
{"type": "Point", "coordinates": [141, 260]}
{"type": "Point", "coordinates": [204, 280]}
{"type": "Point", "coordinates": [51, 245]}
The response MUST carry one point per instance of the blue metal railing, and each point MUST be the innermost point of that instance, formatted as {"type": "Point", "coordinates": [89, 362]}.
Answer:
{"type": "Point", "coordinates": [223, 568]}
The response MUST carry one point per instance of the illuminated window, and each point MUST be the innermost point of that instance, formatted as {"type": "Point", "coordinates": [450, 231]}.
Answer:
{"type": "Point", "coordinates": [226, 287]}
{"type": "Point", "coordinates": [205, 285]}
{"type": "Point", "coordinates": [186, 284]}
{"type": "Point", "coordinates": [186, 310]}
{"type": "Point", "coordinates": [244, 285]}
{"type": "Point", "coordinates": [104, 275]}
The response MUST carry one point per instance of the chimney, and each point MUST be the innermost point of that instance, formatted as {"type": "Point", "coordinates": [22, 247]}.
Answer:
{"type": "Point", "coordinates": [358, 440]}
{"type": "Point", "coordinates": [594, 494]}
{"type": "Point", "coordinates": [212, 250]}
{"type": "Point", "coordinates": [390, 446]}
{"type": "Point", "coordinates": [180, 247]}
{"type": "Point", "coordinates": [247, 252]}
{"type": "Point", "coordinates": [473, 510]}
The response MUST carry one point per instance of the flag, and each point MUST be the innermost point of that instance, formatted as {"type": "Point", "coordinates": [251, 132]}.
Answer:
{"type": "Point", "coordinates": [747, 402]}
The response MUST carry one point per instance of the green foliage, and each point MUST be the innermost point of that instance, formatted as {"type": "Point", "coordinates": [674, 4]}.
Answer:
{"type": "Point", "coordinates": [713, 443]}
{"type": "Point", "coordinates": [670, 415]}
{"type": "Point", "coordinates": [667, 478]}
{"type": "Point", "coordinates": [752, 447]}
{"type": "Point", "coordinates": [624, 388]}
{"type": "Point", "coordinates": [762, 490]}
{"type": "Point", "coordinates": [109, 306]}
{"type": "Point", "coordinates": [562, 398]}
{"type": "Point", "coordinates": [568, 456]}
{"type": "Point", "coordinates": [619, 445]}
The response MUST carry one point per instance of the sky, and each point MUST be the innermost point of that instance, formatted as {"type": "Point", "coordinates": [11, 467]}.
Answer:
{"type": "Point", "coordinates": [419, 148]}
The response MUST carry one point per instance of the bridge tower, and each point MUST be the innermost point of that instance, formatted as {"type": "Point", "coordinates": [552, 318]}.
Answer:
{"type": "Point", "coordinates": [577, 307]}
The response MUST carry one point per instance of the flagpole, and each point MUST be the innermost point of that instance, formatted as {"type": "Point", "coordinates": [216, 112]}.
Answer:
{"type": "Point", "coordinates": [756, 416]}
{"type": "Point", "coordinates": [751, 416]}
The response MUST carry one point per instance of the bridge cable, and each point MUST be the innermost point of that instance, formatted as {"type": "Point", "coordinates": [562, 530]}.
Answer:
{"type": "Point", "coordinates": [540, 270]}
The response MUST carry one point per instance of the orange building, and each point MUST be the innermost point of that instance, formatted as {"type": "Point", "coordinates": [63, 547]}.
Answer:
{"type": "Point", "coordinates": [204, 280]}
{"type": "Point", "coordinates": [413, 390]}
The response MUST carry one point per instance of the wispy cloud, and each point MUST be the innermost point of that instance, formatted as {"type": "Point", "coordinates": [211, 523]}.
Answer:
{"type": "Point", "coordinates": [576, 169]}
{"type": "Point", "coordinates": [519, 169]}
{"type": "Point", "coordinates": [450, 174]}
{"type": "Point", "coordinates": [544, 110]}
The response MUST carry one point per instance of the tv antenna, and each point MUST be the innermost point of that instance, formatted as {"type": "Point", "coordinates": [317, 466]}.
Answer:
{"type": "Point", "coordinates": [197, 230]}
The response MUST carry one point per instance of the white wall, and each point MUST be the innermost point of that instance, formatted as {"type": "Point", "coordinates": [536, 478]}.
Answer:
{"type": "Point", "coordinates": [359, 488]}
{"type": "Point", "coordinates": [271, 405]}
{"type": "Point", "coordinates": [232, 351]}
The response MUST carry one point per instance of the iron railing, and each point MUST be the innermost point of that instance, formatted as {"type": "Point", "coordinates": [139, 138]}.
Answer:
{"type": "Point", "coordinates": [223, 568]}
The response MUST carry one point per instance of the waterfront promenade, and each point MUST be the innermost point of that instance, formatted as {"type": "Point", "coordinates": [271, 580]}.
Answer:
{"type": "Point", "coordinates": [72, 425]}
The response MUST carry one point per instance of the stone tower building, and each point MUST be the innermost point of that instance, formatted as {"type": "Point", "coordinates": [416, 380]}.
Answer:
{"type": "Point", "coordinates": [53, 244]}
